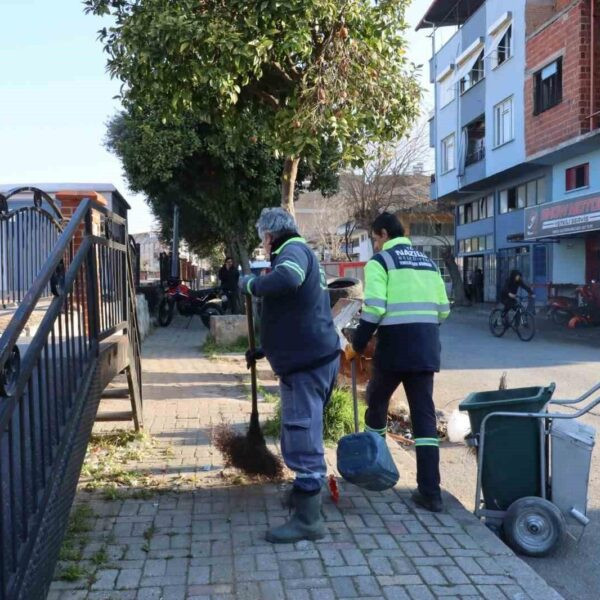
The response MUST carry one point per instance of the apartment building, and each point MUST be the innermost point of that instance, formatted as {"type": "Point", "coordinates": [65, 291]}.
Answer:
{"type": "Point", "coordinates": [516, 137]}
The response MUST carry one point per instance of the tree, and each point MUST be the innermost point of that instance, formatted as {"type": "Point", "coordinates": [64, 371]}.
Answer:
{"type": "Point", "coordinates": [219, 192]}
{"type": "Point", "coordinates": [391, 181]}
{"type": "Point", "coordinates": [291, 75]}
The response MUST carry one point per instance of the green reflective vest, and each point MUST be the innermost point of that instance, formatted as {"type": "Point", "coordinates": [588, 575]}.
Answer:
{"type": "Point", "coordinates": [403, 285]}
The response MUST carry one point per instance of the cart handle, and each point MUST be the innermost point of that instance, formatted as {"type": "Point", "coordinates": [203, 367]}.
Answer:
{"type": "Point", "coordinates": [577, 400]}
{"type": "Point", "coordinates": [542, 415]}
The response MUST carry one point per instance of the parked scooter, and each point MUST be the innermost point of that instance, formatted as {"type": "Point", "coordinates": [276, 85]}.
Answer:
{"type": "Point", "coordinates": [204, 303]}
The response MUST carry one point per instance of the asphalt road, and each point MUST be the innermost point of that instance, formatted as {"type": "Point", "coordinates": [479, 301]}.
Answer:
{"type": "Point", "coordinates": [473, 360]}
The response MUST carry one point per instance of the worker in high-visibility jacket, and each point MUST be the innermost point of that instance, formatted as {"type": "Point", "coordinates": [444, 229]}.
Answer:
{"type": "Point", "coordinates": [405, 301]}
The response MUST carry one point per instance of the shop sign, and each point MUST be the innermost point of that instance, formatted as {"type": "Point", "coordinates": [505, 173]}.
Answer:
{"type": "Point", "coordinates": [568, 217]}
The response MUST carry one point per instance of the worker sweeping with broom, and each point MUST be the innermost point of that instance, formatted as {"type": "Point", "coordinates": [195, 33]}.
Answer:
{"type": "Point", "coordinates": [299, 340]}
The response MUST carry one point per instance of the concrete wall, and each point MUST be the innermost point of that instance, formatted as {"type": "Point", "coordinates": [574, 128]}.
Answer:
{"type": "Point", "coordinates": [558, 177]}
{"type": "Point", "coordinates": [504, 81]}
{"type": "Point", "coordinates": [500, 83]}
{"type": "Point", "coordinates": [567, 36]}
{"type": "Point", "coordinates": [568, 261]}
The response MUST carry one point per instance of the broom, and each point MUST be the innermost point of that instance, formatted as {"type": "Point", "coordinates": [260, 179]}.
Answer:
{"type": "Point", "coordinates": [249, 453]}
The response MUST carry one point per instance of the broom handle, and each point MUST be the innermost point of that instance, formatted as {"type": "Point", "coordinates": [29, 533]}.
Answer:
{"type": "Point", "coordinates": [354, 395]}
{"type": "Point", "coordinates": [252, 344]}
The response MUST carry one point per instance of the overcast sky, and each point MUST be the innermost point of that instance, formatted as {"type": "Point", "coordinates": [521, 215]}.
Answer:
{"type": "Point", "coordinates": [55, 96]}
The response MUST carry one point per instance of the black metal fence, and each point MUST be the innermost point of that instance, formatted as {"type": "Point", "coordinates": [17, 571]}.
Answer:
{"type": "Point", "coordinates": [27, 235]}
{"type": "Point", "coordinates": [49, 387]}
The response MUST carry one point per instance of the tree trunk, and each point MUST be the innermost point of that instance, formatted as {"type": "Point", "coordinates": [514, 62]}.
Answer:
{"type": "Point", "coordinates": [458, 287]}
{"type": "Point", "coordinates": [244, 258]}
{"type": "Point", "coordinates": [288, 183]}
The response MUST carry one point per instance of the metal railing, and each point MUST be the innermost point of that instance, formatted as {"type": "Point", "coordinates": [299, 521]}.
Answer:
{"type": "Point", "coordinates": [50, 389]}
{"type": "Point", "coordinates": [27, 234]}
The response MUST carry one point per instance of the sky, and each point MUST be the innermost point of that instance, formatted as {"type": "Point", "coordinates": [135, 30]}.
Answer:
{"type": "Point", "coordinates": [56, 97]}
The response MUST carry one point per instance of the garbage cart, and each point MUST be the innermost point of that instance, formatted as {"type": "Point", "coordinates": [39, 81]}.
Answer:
{"type": "Point", "coordinates": [532, 465]}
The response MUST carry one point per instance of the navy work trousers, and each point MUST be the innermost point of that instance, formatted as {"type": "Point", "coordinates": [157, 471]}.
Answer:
{"type": "Point", "coordinates": [419, 393]}
{"type": "Point", "coordinates": [304, 396]}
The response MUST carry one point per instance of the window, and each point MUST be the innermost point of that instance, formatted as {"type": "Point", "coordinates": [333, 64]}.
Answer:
{"type": "Point", "coordinates": [577, 177]}
{"type": "Point", "coordinates": [490, 205]}
{"type": "Point", "coordinates": [476, 244]}
{"type": "Point", "coordinates": [475, 75]}
{"type": "Point", "coordinates": [448, 154]}
{"type": "Point", "coordinates": [527, 194]}
{"type": "Point", "coordinates": [503, 122]}
{"type": "Point", "coordinates": [510, 200]}
{"type": "Point", "coordinates": [541, 191]}
{"type": "Point", "coordinates": [504, 50]}
{"type": "Point", "coordinates": [547, 87]}
{"type": "Point", "coordinates": [461, 214]}
{"type": "Point", "coordinates": [531, 193]}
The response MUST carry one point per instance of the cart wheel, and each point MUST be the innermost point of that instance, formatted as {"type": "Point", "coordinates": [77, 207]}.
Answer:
{"type": "Point", "coordinates": [533, 526]}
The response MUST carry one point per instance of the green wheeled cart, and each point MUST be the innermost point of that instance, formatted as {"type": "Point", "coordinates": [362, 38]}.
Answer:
{"type": "Point", "coordinates": [533, 465]}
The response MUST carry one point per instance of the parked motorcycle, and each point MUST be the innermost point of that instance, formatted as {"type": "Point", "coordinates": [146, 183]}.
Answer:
{"type": "Point", "coordinates": [204, 303]}
{"type": "Point", "coordinates": [588, 310]}
{"type": "Point", "coordinates": [561, 309]}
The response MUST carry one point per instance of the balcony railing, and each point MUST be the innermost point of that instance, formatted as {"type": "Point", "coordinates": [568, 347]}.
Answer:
{"type": "Point", "coordinates": [475, 156]}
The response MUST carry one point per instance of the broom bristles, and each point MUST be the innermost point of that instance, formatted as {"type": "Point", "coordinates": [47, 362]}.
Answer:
{"type": "Point", "coordinates": [248, 453]}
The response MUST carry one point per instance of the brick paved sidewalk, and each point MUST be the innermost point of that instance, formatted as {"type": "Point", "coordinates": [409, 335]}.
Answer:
{"type": "Point", "coordinates": [205, 541]}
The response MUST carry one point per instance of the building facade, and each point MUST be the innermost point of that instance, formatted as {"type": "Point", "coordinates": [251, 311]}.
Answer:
{"type": "Point", "coordinates": [515, 130]}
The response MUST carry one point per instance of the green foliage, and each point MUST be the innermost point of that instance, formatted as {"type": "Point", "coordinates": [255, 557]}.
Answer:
{"type": "Point", "coordinates": [219, 189]}
{"type": "Point", "coordinates": [73, 572]}
{"type": "Point", "coordinates": [211, 348]}
{"type": "Point", "coordinates": [300, 77]}
{"type": "Point", "coordinates": [338, 419]}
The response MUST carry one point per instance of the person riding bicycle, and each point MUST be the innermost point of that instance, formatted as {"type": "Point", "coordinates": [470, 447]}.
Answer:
{"type": "Point", "coordinates": [510, 290]}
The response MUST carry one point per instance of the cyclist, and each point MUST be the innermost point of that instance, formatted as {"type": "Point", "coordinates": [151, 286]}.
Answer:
{"type": "Point", "coordinates": [509, 292]}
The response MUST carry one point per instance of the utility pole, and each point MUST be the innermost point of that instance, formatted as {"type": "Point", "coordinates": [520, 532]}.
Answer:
{"type": "Point", "coordinates": [175, 249]}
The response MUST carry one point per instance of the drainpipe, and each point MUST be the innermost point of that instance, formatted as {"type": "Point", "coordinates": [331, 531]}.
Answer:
{"type": "Point", "coordinates": [435, 115]}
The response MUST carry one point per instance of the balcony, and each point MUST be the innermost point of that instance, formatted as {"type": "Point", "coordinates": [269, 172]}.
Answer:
{"type": "Point", "coordinates": [474, 136]}
{"type": "Point", "coordinates": [475, 155]}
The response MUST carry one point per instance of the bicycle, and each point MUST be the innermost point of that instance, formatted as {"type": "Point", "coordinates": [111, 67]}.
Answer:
{"type": "Point", "coordinates": [522, 321]}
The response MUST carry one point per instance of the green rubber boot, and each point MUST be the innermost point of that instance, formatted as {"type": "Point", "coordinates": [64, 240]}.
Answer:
{"type": "Point", "coordinates": [305, 524]}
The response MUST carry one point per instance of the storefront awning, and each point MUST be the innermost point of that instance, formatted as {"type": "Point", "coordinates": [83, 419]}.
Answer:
{"type": "Point", "coordinates": [568, 217]}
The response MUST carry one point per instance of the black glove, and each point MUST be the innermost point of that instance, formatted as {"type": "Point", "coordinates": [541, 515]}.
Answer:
{"type": "Point", "coordinates": [252, 356]}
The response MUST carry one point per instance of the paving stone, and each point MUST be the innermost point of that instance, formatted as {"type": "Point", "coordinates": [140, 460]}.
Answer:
{"type": "Point", "coordinates": [419, 592]}
{"type": "Point", "coordinates": [491, 592]}
{"type": "Point", "coordinates": [367, 586]}
{"type": "Point", "coordinates": [395, 593]}
{"type": "Point", "coordinates": [344, 587]}
{"type": "Point", "coordinates": [431, 576]}
{"type": "Point", "coordinates": [105, 579]}
{"type": "Point", "coordinates": [128, 579]}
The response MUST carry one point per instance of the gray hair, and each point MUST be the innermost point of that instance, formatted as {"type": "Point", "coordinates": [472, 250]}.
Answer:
{"type": "Point", "coordinates": [275, 221]}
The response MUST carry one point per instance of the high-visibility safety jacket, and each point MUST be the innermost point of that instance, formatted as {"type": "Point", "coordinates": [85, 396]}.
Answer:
{"type": "Point", "coordinates": [405, 301]}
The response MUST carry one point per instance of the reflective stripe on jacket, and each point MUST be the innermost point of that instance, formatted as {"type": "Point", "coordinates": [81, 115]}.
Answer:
{"type": "Point", "coordinates": [406, 300]}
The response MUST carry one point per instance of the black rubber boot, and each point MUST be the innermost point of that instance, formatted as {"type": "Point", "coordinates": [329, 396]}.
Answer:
{"type": "Point", "coordinates": [287, 498]}
{"type": "Point", "coordinates": [305, 524]}
{"type": "Point", "coordinates": [430, 503]}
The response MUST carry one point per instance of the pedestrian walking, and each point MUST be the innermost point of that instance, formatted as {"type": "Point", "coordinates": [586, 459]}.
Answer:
{"type": "Point", "coordinates": [300, 342]}
{"type": "Point", "coordinates": [478, 284]}
{"type": "Point", "coordinates": [228, 277]}
{"type": "Point", "coordinates": [405, 302]}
